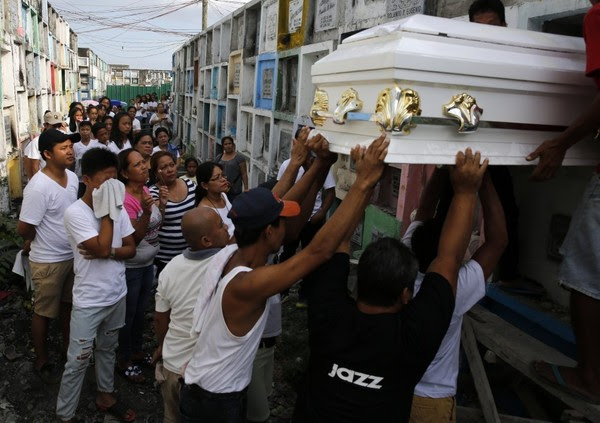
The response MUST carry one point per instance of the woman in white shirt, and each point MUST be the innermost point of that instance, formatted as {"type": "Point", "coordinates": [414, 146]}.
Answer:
{"type": "Point", "coordinates": [121, 132]}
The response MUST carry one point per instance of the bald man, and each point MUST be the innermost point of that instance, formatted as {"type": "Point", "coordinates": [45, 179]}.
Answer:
{"type": "Point", "coordinates": [178, 286]}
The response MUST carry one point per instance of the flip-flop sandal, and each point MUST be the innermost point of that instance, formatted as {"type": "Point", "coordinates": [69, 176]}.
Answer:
{"type": "Point", "coordinates": [119, 410]}
{"type": "Point", "coordinates": [48, 374]}
{"type": "Point", "coordinates": [560, 383]}
{"type": "Point", "coordinates": [146, 361]}
{"type": "Point", "coordinates": [132, 373]}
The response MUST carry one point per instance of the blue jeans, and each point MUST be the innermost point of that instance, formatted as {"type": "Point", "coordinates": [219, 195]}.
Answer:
{"type": "Point", "coordinates": [101, 323]}
{"type": "Point", "coordinates": [139, 287]}
{"type": "Point", "coordinates": [198, 406]}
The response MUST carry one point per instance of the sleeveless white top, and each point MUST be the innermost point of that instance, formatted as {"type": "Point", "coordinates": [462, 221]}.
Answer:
{"type": "Point", "coordinates": [222, 362]}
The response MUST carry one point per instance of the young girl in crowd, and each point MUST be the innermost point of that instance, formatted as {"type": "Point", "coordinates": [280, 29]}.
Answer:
{"type": "Point", "coordinates": [93, 114]}
{"type": "Point", "coordinates": [108, 121]}
{"type": "Point", "coordinates": [121, 132]}
{"type": "Point", "coordinates": [191, 168]}
{"type": "Point", "coordinates": [75, 117]}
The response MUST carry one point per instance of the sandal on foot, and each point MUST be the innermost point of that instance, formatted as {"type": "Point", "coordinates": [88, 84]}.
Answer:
{"type": "Point", "coordinates": [559, 382]}
{"type": "Point", "coordinates": [119, 410]}
{"type": "Point", "coordinates": [145, 361]}
{"type": "Point", "coordinates": [132, 373]}
{"type": "Point", "coordinates": [48, 374]}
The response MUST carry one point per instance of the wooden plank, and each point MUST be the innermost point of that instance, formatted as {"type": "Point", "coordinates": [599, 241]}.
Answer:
{"type": "Point", "coordinates": [473, 415]}
{"type": "Point", "coordinates": [519, 350]}
{"type": "Point", "coordinates": [484, 392]}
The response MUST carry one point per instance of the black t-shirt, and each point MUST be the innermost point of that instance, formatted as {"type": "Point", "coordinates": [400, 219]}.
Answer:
{"type": "Point", "coordinates": [364, 367]}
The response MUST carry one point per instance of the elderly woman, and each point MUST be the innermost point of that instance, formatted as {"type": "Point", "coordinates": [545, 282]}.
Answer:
{"type": "Point", "coordinates": [211, 191]}
{"type": "Point", "coordinates": [146, 219]}
{"type": "Point", "coordinates": [180, 195]}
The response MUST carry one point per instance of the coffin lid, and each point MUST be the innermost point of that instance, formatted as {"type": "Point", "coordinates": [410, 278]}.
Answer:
{"type": "Point", "coordinates": [453, 28]}
{"type": "Point", "coordinates": [451, 46]}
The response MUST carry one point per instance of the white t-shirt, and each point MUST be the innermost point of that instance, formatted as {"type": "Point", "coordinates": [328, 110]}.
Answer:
{"type": "Point", "coordinates": [135, 124]}
{"type": "Point", "coordinates": [328, 184]}
{"type": "Point", "coordinates": [222, 362]}
{"type": "Point", "coordinates": [439, 380]}
{"type": "Point", "coordinates": [98, 282]}
{"type": "Point", "coordinates": [32, 151]}
{"type": "Point", "coordinates": [44, 205]}
{"type": "Point", "coordinates": [79, 149]}
{"type": "Point", "coordinates": [112, 146]}
{"type": "Point", "coordinates": [177, 291]}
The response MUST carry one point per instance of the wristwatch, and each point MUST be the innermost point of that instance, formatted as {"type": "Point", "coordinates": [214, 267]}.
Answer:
{"type": "Point", "coordinates": [113, 252]}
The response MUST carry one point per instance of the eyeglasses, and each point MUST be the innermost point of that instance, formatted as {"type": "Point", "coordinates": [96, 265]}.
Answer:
{"type": "Point", "coordinates": [216, 178]}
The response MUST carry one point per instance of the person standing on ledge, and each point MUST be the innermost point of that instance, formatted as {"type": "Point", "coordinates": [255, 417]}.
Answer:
{"type": "Point", "coordinates": [580, 269]}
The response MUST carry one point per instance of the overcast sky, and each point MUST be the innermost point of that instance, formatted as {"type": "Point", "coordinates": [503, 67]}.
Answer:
{"type": "Point", "coordinates": [128, 45]}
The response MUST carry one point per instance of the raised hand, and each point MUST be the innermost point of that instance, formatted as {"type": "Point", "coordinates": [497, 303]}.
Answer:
{"type": "Point", "coordinates": [467, 174]}
{"type": "Point", "coordinates": [299, 151]}
{"type": "Point", "coordinates": [551, 154]}
{"type": "Point", "coordinates": [163, 196]}
{"type": "Point", "coordinates": [320, 146]}
{"type": "Point", "coordinates": [369, 160]}
{"type": "Point", "coordinates": [147, 202]}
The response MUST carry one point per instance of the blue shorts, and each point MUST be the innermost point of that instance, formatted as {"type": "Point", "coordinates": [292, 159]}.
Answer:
{"type": "Point", "coordinates": [580, 268]}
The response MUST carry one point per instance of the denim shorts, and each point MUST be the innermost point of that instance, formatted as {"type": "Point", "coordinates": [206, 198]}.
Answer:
{"type": "Point", "coordinates": [580, 268]}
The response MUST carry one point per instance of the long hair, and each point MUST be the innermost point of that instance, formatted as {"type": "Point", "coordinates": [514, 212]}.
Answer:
{"type": "Point", "coordinates": [203, 174]}
{"type": "Point", "coordinates": [116, 135]}
{"type": "Point", "coordinates": [73, 127]}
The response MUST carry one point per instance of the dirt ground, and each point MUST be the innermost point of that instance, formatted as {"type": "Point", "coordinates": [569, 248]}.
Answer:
{"type": "Point", "coordinates": [25, 398]}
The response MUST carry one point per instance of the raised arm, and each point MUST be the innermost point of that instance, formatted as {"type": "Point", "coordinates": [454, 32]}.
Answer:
{"type": "Point", "coordinates": [466, 178]}
{"type": "Point", "coordinates": [494, 226]}
{"type": "Point", "coordinates": [552, 152]}
{"type": "Point", "coordinates": [269, 280]}
{"type": "Point", "coordinates": [431, 194]}
{"type": "Point", "coordinates": [297, 158]}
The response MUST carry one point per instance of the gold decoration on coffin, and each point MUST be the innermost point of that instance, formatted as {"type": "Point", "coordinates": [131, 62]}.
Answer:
{"type": "Point", "coordinates": [465, 110]}
{"type": "Point", "coordinates": [318, 111]}
{"type": "Point", "coordinates": [348, 103]}
{"type": "Point", "coordinates": [395, 109]}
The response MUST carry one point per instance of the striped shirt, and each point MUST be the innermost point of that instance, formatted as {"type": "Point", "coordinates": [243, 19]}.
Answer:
{"type": "Point", "coordinates": [170, 237]}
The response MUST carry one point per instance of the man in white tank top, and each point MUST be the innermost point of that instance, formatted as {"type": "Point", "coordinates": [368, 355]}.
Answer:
{"type": "Point", "coordinates": [231, 323]}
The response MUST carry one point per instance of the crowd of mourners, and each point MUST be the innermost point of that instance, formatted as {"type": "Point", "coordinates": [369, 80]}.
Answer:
{"type": "Point", "coordinates": [112, 214]}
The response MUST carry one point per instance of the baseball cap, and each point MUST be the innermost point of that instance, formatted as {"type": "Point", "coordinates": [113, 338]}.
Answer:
{"type": "Point", "coordinates": [259, 207]}
{"type": "Point", "coordinates": [51, 137]}
{"type": "Point", "coordinates": [52, 118]}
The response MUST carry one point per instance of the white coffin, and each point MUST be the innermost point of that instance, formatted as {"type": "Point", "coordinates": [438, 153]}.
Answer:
{"type": "Point", "coordinates": [530, 85]}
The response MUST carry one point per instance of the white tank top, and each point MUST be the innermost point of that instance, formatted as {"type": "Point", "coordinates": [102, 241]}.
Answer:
{"type": "Point", "coordinates": [222, 362]}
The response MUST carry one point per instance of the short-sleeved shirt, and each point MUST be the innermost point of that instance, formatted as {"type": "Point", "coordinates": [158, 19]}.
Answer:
{"type": "Point", "coordinates": [591, 33]}
{"type": "Point", "coordinates": [32, 151]}
{"type": "Point", "coordinates": [177, 291]}
{"type": "Point", "coordinates": [98, 282]}
{"type": "Point", "coordinates": [328, 184]}
{"type": "Point", "coordinates": [364, 367]}
{"type": "Point", "coordinates": [44, 204]}
{"type": "Point", "coordinates": [148, 247]}
{"type": "Point", "coordinates": [231, 169]}
{"type": "Point", "coordinates": [170, 237]}
{"type": "Point", "coordinates": [79, 149]}
{"type": "Point", "coordinates": [439, 381]}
